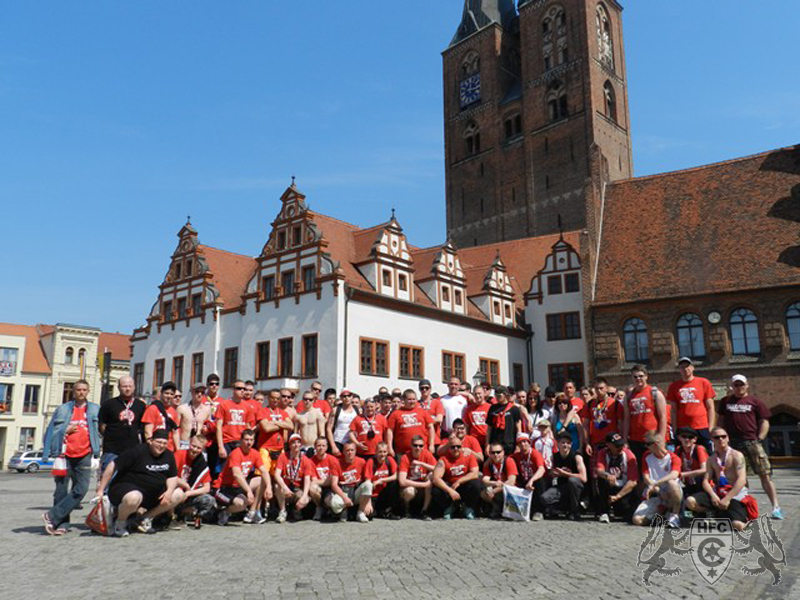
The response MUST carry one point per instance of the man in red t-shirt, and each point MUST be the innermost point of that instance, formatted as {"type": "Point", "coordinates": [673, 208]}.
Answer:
{"type": "Point", "coordinates": [570, 391]}
{"type": "Point", "coordinates": [293, 473]}
{"type": "Point", "coordinates": [455, 480]}
{"type": "Point", "coordinates": [275, 425]}
{"type": "Point", "coordinates": [232, 418]}
{"type": "Point", "coordinates": [324, 465]}
{"type": "Point", "coordinates": [348, 485]}
{"type": "Point", "coordinates": [406, 422]}
{"type": "Point", "coordinates": [414, 477]}
{"type": "Point", "coordinates": [530, 465]}
{"type": "Point", "coordinates": [161, 414]}
{"type": "Point", "coordinates": [241, 483]}
{"type": "Point", "coordinates": [470, 445]}
{"type": "Point", "coordinates": [381, 472]}
{"type": "Point", "coordinates": [367, 430]}
{"type": "Point", "coordinates": [320, 402]}
{"type": "Point", "coordinates": [692, 402]}
{"type": "Point", "coordinates": [693, 461]}
{"type": "Point", "coordinates": [498, 471]}
{"type": "Point", "coordinates": [475, 416]}
{"type": "Point", "coordinates": [194, 479]}
{"type": "Point", "coordinates": [434, 408]}
{"type": "Point", "coordinates": [645, 410]}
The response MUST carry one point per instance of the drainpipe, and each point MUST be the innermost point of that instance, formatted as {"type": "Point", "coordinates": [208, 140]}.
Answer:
{"type": "Point", "coordinates": [348, 294]}
{"type": "Point", "coordinates": [599, 240]}
{"type": "Point", "coordinates": [529, 351]}
{"type": "Point", "coordinates": [217, 332]}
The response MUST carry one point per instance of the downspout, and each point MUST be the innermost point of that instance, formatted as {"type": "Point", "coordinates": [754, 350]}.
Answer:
{"type": "Point", "coordinates": [599, 240]}
{"type": "Point", "coordinates": [529, 351]}
{"type": "Point", "coordinates": [217, 332]}
{"type": "Point", "coordinates": [348, 294]}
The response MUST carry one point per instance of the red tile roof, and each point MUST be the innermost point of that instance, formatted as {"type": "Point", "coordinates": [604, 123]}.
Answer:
{"type": "Point", "coordinates": [723, 227]}
{"type": "Point", "coordinates": [34, 359]}
{"type": "Point", "coordinates": [230, 273]}
{"type": "Point", "coordinates": [117, 343]}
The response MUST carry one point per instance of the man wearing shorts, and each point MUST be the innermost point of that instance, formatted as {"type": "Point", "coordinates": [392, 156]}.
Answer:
{"type": "Point", "coordinates": [309, 423]}
{"type": "Point", "coordinates": [145, 479]}
{"type": "Point", "coordinates": [455, 480]}
{"type": "Point", "coordinates": [746, 418]}
{"type": "Point", "coordinates": [349, 486]}
{"type": "Point", "coordinates": [724, 485]}
{"type": "Point", "coordinates": [293, 479]}
{"type": "Point", "coordinates": [324, 466]}
{"type": "Point", "coordinates": [414, 478]}
{"type": "Point", "coordinates": [194, 480]}
{"type": "Point", "coordinates": [692, 401]}
{"type": "Point", "coordinates": [661, 471]}
{"type": "Point", "coordinates": [275, 425]}
{"type": "Point", "coordinates": [241, 483]}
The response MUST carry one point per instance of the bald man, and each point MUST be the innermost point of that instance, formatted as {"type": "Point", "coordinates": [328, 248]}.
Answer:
{"type": "Point", "coordinates": [120, 421]}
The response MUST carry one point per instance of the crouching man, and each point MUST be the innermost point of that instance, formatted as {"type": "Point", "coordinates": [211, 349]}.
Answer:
{"type": "Point", "coordinates": [194, 479]}
{"type": "Point", "coordinates": [661, 470]}
{"type": "Point", "coordinates": [498, 471]}
{"type": "Point", "coordinates": [242, 482]}
{"type": "Point", "coordinates": [349, 486]}
{"type": "Point", "coordinates": [293, 479]}
{"type": "Point", "coordinates": [455, 481]}
{"type": "Point", "coordinates": [145, 486]}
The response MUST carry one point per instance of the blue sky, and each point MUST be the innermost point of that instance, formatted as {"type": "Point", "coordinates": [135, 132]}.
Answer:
{"type": "Point", "coordinates": [117, 119]}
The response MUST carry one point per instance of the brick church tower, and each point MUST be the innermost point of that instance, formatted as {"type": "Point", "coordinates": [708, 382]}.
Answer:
{"type": "Point", "coordinates": [535, 115]}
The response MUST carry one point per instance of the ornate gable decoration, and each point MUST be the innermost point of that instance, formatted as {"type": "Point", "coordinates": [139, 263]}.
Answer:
{"type": "Point", "coordinates": [562, 258]}
{"type": "Point", "coordinates": [390, 266]}
{"type": "Point", "coordinates": [497, 298]}
{"type": "Point", "coordinates": [292, 227]}
{"type": "Point", "coordinates": [391, 243]}
{"type": "Point", "coordinates": [447, 265]}
{"type": "Point", "coordinates": [447, 285]}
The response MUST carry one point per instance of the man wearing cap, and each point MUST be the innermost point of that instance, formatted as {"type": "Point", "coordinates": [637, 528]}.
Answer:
{"type": "Point", "coordinates": [433, 406]}
{"type": "Point", "coordinates": [617, 477]}
{"type": "Point", "coordinates": [661, 476]}
{"type": "Point", "coordinates": [692, 401]}
{"type": "Point", "coordinates": [746, 419]}
{"type": "Point", "coordinates": [192, 415]}
{"type": "Point", "coordinates": [145, 477]}
{"type": "Point", "coordinates": [570, 471]}
{"type": "Point", "coordinates": [693, 460]}
{"type": "Point", "coordinates": [293, 479]}
{"type": "Point", "coordinates": [454, 404]}
{"type": "Point", "coordinates": [530, 465]}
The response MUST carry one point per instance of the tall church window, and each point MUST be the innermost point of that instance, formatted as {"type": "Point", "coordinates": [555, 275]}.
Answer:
{"type": "Point", "coordinates": [744, 332]}
{"type": "Point", "coordinates": [472, 139]}
{"type": "Point", "coordinates": [605, 44]}
{"type": "Point", "coordinates": [690, 336]}
{"type": "Point", "coordinates": [793, 325]}
{"type": "Point", "coordinates": [610, 100]}
{"type": "Point", "coordinates": [556, 100]}
{"type": "Point", "coordinates": [554, 38]}
{"type": "Point", "coordinates": [634, 334]}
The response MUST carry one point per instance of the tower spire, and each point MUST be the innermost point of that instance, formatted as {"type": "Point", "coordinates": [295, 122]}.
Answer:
{"type": "Point", "coordinates": [480, 13]}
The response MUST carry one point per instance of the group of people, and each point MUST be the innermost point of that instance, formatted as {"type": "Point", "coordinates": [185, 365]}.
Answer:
{"type": "Point", "coordinates": [630, 452]}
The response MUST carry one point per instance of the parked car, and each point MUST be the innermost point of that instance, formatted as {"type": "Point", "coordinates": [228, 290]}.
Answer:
{"type": "Point", "coordinates": [29, 461]}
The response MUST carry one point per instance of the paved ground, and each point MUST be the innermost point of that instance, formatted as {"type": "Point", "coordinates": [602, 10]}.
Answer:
{"type": "Point", "coordinates": [406, 559]}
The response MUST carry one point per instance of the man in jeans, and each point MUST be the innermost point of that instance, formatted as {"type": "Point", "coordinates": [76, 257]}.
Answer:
{"type": "Point", "coordinates": [73, 430]}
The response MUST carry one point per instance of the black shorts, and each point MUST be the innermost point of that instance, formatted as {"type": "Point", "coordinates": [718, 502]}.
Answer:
{"type": "Point", "coordinates": [227, 494]}
{"type": "Point", "coordinates": [118, 491]}
{"type": "Point", "coordinates": [736, 510]}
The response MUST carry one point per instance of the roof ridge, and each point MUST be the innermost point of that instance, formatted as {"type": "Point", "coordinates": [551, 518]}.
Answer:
{"type": "Point", "coordinates": [705, 166]}
{"type": "Point", "coordinates": [319, 214]}
{"type": "Point", "coordinates": [227, 251]}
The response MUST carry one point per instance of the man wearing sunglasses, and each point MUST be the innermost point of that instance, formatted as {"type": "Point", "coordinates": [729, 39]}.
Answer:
{"type": "Point", "coordinates": [746, 419]}
{"type": "Point", "coordinates": [455, 480]}
{"type": "Point", "coordinates": [645, 410]}
{"type": "Point", "coordinates": [434, 408]}
{"type": "Point", "coordinates": [309, 422]}
{"type": "Point", "coordinates": [233, 417]}
{"type": "Point", "coordinates": [320, 402]}
{"type": "Point", "coordinates": [414, 477]}
{"type": "Point", "coordinates": [498, 471]}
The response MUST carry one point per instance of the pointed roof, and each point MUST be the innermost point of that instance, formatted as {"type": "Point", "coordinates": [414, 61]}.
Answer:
{"type": "Point", "coordinates": [480, 13]}
{"type": "Point", "coordinates": [230, 272]}
{"type": "Point", "coordinates": [34, 360]}
{"type": "Point", "coordinates": [118, 344]}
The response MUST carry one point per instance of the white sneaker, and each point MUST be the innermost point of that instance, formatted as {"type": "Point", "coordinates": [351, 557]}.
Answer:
{"type": "Point", "coordinates": [318, 514]}
{"type": "Point", "coordinates": [604, 518]}
{"type": "Point", "coordinates": [362, 518]}
{"type": "Point", "coordinates": [538, 516]}
{"type": "Point", "coordinates": [250, 517]}
{"type": "Point", "coordinates": [281, 517]}
{"type": "Point", "coordinates": [673, 522]}
{"type": "Point", "coordinates": [121, 529]}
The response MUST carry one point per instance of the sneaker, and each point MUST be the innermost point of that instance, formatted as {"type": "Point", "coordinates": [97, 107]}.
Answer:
{"type": "Point", "coordinates": [61, 531]}
{"type": "Point", "coordinates": [281, 517]}
{"type": "Point", "coordinates": [121, 529]}
{"type": "Point", "coordinates": [469, 514]}
{"type": "Point", "coordinates": [343, 516]}
{"type": "Point", "coordinates": [146, 525]}
{"type": "Point", "coordinates": [426, 517]}
{"type": "Point", "coordinates": [448, 513]}
{"type": "Point", "coordinates": [604, 518]}
{"type": "Point", "coordinates": [318, 514]}
{"type": "Point", "coordinates": [250, 516]}
{"type": "Point", "coordinates": [537, 516]}
{"type": "Point", "coordinates": [362, 518]}
{"type": "Point", "coordinates": [259, 519]}
{"type": "Point", "coordinates": [223, 518]}
{"type": "Point", "coordinates": [585, 504]}
{"type": "Point", "coordinates": [673, 522]}
{"type": "Point", "coordinates": [777, 513]}
{"type": "Point", "coordinates": [297, 515]}
{"type": "Point", "coordinates": [49, 527]}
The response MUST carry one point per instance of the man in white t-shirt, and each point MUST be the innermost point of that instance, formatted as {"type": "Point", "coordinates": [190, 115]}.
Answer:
{"type": "Point", "coordinates": [454, 404]}
{"type": "Point", "coordinates": [661, 471]}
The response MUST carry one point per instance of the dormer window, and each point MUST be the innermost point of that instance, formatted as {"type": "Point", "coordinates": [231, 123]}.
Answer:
{"type": "Point", "coordinates": [177, 270]}
{"type": "Point", "coordinates": [445, 294]}
{"type": "Point", "coordinates": [458, 297]}
{"type": "Point", "coordinates": [281, 240]}
{"type": "Point", "coordinates": [402, 282]}
{"type": "Point", "coordinates": [496, 308]}
{"type": "Point", "coordinates": [386, 277]}
{"type": "Point", "coordinates": [296, 235]}
{"type": "Point", "coordinates": [189, 266]}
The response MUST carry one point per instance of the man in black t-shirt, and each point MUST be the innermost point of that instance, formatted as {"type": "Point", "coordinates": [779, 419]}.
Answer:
{"type": "Point", "coordinates": [504, 422]}
{"type": "Point", "coordinates": [570, 473]}
{"type": "Point", "coordinates": [120, 421]}
{"type": "Point", "coordinates": [146, 479]}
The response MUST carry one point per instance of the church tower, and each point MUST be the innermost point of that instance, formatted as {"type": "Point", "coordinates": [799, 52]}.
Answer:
{"type": "Point", "coordinates": [533, 95]}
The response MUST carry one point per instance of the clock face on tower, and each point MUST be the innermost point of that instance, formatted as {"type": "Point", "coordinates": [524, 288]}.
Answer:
{"type": "Point", "coordinates": [470, 90]}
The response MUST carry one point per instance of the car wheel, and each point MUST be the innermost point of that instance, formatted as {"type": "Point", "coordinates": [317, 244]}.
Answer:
{"type": "Point", "coordinates": [32, 468]}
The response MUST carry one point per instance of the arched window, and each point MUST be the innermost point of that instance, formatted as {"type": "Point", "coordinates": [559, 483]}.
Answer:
{"type": "Point", "coordinates": [610, 101]}
{"type": "Point", "coordinates": [554, 38]}
{"type": "Point", "coordinates": [69, 355]}
{"type": "Point", "coordinates": [556, 100]}
{"type": "Point", "coordinates": [605, 44]}
{"type": "Point", "coordinates": [744, 332]}
{"type": "Point", "coordinates": [690, 336]}
{"type": "Point", "coordinates": [472, 139]}
{"type": "Point", "coordinates": [471, 64]}
{"type": "Point", "coordinates": [793, 325]}
{"type": "Point", "coordinates": [634, 334]}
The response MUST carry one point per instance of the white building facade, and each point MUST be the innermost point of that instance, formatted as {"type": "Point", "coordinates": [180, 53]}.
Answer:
{"type": "Point", "coordinates": [359, 308]}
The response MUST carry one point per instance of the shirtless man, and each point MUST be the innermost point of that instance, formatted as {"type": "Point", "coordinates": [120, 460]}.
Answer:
{"type": "Point", "coordinates": [287, 402]}
{"type": "Point", "coordinates": [309, 422]}
{"type": "Point", "coordinates": [724, 485]}
{"type": "Point", "coordinates": [193, 415]}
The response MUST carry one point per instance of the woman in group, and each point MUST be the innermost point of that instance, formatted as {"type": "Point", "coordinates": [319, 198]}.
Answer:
{"type": "Point", "coordinates": [537, 409]}
{"type": "Point", "coordinates": [567, 419]}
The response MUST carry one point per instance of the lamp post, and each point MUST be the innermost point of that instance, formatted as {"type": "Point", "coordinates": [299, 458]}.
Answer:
{"type": "Point", "coordinates": [478, 378]}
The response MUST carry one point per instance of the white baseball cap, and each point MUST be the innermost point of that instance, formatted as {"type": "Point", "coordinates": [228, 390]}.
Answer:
{"type": "Point", "coordinates": [739, 377]}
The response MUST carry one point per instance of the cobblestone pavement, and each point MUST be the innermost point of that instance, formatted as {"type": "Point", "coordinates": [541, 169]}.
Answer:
{"type": "Point", "coordinates": [382, 559]}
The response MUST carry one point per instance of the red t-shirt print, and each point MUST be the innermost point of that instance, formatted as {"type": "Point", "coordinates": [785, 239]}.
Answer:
{"type": "Point", "coordinates": [78, 442]}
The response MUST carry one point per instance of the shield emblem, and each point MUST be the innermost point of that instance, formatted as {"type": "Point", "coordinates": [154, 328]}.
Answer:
{"type": "Point", "coordinates": [712, 547]}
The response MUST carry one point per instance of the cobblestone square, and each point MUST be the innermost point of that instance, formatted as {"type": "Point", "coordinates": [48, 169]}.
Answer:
{"type": "Point", "coordinates": [382, 559]}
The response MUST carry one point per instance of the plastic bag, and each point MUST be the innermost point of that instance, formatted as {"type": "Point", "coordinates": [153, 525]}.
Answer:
{"type": "Point", "coordinates": [60, 466]}
{"type": "Point", "coordinates": [517, 503]}
{"type": "Point", "coordinates": [101, 518]}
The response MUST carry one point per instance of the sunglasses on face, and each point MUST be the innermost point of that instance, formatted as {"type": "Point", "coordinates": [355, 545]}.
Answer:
{"type": "Point", "coordinates": [456, 447]}
{"type": "Point", "coordinates": [720, 437]}
{"type": "Point", "coordinates": [495, 451]}
{"type": "Point", "coordinates": [214, 383]}
{"type": "Point", "coordinates": [308, 399]}
{"type": "Point", "coordinates": [317, 389]}
{"type": "Point", "coordinates": [425, 387]}
{"type": "Point", "coordinates": [240, 389]}
{"type": "Point", "coordinates": [418, 445]}
{"type": "Point", "coordinates": [347, 395]}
